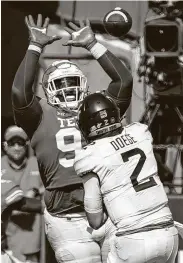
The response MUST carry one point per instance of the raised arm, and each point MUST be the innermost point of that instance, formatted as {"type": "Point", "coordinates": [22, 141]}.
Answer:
{"type": "Point", "coordinates": [120, 88]}
{"type": "Point", "coordinates": [26, 107]}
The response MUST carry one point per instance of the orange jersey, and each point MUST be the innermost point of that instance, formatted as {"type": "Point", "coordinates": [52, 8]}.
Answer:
{"type": "Point", "coordinates": [55, 142]}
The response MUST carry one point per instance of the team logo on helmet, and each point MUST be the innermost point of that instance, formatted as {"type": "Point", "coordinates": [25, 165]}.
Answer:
{"type": "Point", "coordinates": [103, 114]}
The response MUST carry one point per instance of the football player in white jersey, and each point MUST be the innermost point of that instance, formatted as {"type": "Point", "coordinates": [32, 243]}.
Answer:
{"type": "Point", "coordinates": [119, 169]}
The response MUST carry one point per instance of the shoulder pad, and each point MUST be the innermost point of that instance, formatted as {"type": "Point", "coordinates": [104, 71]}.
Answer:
{"type": "Point", "coordinates": [85, 161]}
{"type": "Point", "coordinates": [138, 125]}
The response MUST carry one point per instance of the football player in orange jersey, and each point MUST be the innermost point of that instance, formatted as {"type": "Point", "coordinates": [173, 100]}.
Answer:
{"type": "Point", "coordinates": [51, 127]}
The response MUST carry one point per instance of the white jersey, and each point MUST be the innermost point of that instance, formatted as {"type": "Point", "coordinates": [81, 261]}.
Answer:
{"type": "Point", "coordinates": [126, 167]}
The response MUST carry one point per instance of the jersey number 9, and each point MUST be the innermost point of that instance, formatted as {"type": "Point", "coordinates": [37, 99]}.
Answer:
{"type": "Point", "coordinates": [68, 142]}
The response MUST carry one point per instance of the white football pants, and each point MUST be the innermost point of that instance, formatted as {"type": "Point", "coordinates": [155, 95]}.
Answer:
{"type": "Point", "coordinates": [71, 239]}
{"type": "Point", "coordinates": [158, 246]}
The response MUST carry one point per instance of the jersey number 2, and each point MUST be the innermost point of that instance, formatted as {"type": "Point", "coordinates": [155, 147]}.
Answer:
{"type": "Point", "coordinates": [138, 187]}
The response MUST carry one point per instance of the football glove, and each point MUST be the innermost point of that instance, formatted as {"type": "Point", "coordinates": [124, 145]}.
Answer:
{"type": "Point", "coordinates": [38, 32]}
{"type": "Point", "coordinates": [82, 36]}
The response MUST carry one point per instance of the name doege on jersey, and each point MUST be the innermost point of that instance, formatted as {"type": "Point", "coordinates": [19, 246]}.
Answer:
{"type": "Point", "coordinates": [122, 141]}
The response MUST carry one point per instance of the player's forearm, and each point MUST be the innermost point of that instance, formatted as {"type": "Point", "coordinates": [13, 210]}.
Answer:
{"type": "Point", "coordinates": [94, 209]}
{"type": "Point", "coordinates": [22, 90]}
{"type": "Point", "coordinates": [31, 205]}
{"type": "Point", "coordinates": [95, 220]}
{"type": "Point", "coordinates": [112, 65]}
{"type": "Point", "coordinates": [120, 88]}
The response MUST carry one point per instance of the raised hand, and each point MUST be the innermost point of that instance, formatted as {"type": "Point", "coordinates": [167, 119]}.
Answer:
{"type": "Point", "coordinates": [38, 31]}
{"type": "Point", "coordinates": [82, 36]}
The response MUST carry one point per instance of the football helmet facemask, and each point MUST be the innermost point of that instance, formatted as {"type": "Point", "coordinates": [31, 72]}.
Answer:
{"type": "Point", "coordinates": [98, 115]}
{"type": "Point", "coordinates": [64, 84]}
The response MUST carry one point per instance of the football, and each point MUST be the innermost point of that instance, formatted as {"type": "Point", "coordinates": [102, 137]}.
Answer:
{"type": "Point", "coordinates": [117, 22]}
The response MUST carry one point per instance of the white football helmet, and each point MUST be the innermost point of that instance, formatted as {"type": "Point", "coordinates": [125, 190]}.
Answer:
{"type": "Point", "coordinates": [64, 84]}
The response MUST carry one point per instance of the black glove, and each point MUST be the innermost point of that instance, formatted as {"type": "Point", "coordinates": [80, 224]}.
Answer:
{"type": "Point", "coordinates": [38, 33]}
{"type": "Point", "coordinates": [82, 36]}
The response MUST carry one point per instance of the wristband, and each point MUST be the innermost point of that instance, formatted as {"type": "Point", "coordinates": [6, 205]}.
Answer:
{"type": "Point", "coordinates": [35, 48]}
{"type": "Point", "coordinates": [91, 44]}
{"type": "Point", "coordinates": [98, 50]}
